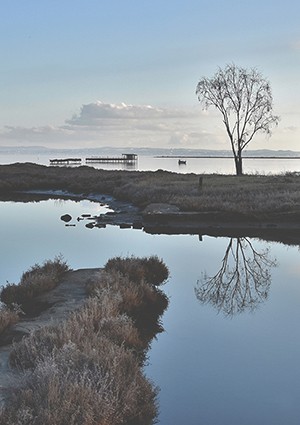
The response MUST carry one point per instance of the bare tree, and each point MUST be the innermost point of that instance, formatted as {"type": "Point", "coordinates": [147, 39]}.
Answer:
{"type": "Point", "coordinates": [244, 99]}
{"type": "Point", "coordinates": [242, 282]}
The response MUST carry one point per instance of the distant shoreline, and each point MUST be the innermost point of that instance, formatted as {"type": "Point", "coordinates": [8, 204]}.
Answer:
{"type": "Point", "coordinates": [224, 157]}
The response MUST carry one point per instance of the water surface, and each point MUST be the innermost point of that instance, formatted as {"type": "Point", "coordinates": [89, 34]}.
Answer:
{"type": "Point", "coordinates": [193, 165]}
{"type": "Point", "coordinates": [214, 366]}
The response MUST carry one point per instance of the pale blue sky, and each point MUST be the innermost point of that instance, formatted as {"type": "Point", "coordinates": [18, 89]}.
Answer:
{"type": "Point", "coordinates": [62, 59]}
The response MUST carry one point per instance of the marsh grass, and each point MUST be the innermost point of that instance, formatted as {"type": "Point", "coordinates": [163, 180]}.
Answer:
{"type": "Point", "coordinates": [137, 298]}
{"type": "Point", "coordinates": [90, 386]}
{"type": "Point", "coordinates": [251, 195]}
{"type": "Point", "coordinates": [87, 370]}
{"type": "Point", "coordinates": [37, 280]}
{"type": "Point", "coordinates": [150, 269]}
{"type": "Point", "coordinates": [8, 317]}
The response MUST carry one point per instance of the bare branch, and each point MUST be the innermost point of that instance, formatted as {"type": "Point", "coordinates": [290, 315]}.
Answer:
{"type": "Point", "coordinates": [244, 99]}
{"type": "Point", "coordinates": [242, 281]}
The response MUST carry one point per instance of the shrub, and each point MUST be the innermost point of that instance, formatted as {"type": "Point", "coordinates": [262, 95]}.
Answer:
{"type": "Point", "coordinates": [75, 387]}
{"type": "Point", "coordinates": [7, 318]}
{"type": "Point", "coordinates": [35, 281]}
{"type": "Point", "coordinates": [141, 301]}
{"type": "Point", "coordinates": [82, 328]}
{"type": "Point", "coordinates": [156, 272]}
{"type": "Point", "coordinates": [151, 269]}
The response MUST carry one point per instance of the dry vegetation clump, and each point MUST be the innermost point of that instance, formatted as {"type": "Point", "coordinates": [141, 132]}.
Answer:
{"type": "Point", "coordinates": [98, 317]}
{"type": "Point", "coordinates": [143, 304]}
{"type": "Point", "coordinates": [95, 387]}
{"type": "Point", "coordinates": [88, 369]}
{"type": "Point", "coordinates": [151, 269]}
{"type": "Point", "coordinates": [138, 299]}
{"type": "Point", "coordinates": [38, 279]}
{"type": "Point", "coordinates": [8, 318]}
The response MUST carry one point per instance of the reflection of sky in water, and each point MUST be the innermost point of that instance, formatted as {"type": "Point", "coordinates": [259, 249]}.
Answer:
{"type": "Point", "coordinates": [212, 370]}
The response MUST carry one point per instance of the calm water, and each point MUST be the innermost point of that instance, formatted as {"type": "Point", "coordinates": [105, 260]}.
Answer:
{"type": "Point", "coordinates": [193, 165]}
{"type": "Point", "coordinates": [213, 368]}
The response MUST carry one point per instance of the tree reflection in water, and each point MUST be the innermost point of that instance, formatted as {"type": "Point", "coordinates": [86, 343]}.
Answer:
{"type": "Point", "coordinates": [242, 282]}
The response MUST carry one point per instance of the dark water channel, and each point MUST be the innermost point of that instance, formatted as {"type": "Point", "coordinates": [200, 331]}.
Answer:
{"type": "Point", "coordinates": [231, 347]}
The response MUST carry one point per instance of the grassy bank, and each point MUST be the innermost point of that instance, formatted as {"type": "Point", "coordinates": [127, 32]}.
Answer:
{"type": "Point", "coordinates": [87, 370]}
{"type": "Point", "coordinates": [249, 195]}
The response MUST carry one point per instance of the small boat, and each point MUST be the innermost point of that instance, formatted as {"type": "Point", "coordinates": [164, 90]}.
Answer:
{"type": "Point", "coordinates": [181, 162]}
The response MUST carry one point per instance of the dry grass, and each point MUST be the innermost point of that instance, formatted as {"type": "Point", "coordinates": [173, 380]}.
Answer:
{"type": "Point", "coordinates": [141, 301]}
{"type": "Point", "coordinates": [8, 318]}
{"type": "Point", "coordinates": [35, 281]}
{"type": "Point", "coordinates": [88, 369]}
{"type": "Point", "coordinates": [249, 194]}
{"type": "Point", "coordinates": [102, 386]}
{"type": "Point", "coordinates": [98, 317]}
{"type": "Point", "coordinates": [149, 269]}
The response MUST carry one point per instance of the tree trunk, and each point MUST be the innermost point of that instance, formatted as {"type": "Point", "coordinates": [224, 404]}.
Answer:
{"type": "Point", "coordinates": [238, 164]}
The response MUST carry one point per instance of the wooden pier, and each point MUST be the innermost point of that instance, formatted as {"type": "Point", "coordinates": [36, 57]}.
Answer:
{"type": "Point", "coordinates": [65, 161]}
{"type": "Point", "coordinates": [125, 158]}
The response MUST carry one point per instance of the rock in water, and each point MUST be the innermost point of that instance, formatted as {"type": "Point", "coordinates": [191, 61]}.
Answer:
{"type": "Point", "coordinates": [66, 218]}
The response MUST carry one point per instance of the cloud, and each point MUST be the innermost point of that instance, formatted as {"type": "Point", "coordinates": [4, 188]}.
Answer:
{"type": "Point", "coordinates": [118, 125]}
{"type": "Point", "coordinates": [141, 124]}
{"type": "Point", "coordinates": [99, 113]}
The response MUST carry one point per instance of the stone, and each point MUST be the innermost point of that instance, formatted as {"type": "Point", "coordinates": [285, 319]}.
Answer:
{"type": "Point", "coordinates": [66, 218]}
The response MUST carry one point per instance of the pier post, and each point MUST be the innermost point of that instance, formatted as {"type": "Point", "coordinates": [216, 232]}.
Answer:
{"type": "Point", "coordinates": [200, 185]}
